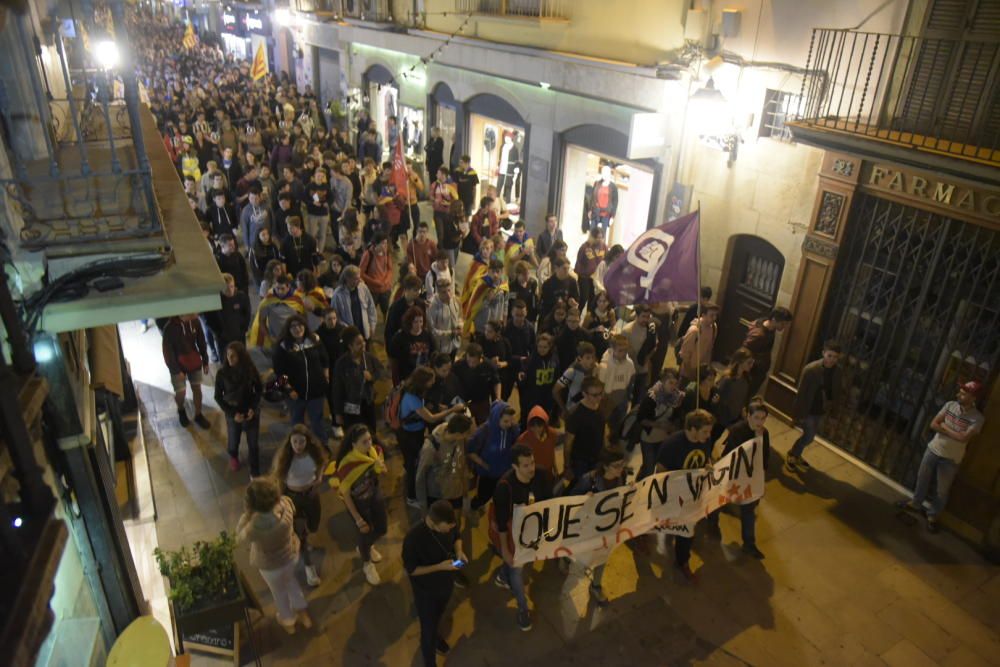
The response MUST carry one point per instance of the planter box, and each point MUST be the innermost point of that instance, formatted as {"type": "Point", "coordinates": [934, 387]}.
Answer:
{"type": "Point", "coordinates": [211, 614]}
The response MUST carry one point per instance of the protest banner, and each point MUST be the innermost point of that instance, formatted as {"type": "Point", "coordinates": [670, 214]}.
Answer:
{"type": "Point", "coordinates": [588, 527]}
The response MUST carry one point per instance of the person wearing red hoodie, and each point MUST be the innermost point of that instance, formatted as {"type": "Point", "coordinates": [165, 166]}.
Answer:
{"type": "Point", "coordinates": [422, 251]}
{"type": "Point", "coordinates": [376, 271]}
{"type": "Point", "coordinates": [542, 438]}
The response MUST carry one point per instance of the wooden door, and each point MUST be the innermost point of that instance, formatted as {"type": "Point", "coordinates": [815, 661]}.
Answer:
{"type": "Point", "coordinates": [751, 289]}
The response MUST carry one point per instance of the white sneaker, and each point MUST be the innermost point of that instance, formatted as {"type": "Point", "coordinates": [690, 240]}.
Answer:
{"type": "Point", "coordinates": [311, 577]}
{"type": "Point", "coordinates": [371, 574]}
{"type": "Point", "coordinates": [373, 554]}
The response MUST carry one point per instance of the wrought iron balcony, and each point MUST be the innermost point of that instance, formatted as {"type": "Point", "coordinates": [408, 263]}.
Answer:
{"type": "Point", "coordinates": [378, 11]}
{"type": "Point", "coordinates": [79, 175]}
{"type": "Point", "coordinates": [934, 96]}
{"type": "Point", "coordinates": [538, 9]}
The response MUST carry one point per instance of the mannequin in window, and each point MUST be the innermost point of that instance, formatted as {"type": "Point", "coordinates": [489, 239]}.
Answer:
{"type": "Point", "coordinates": [517, 154]}
{"type": "Point", "coordinates": [510, 165]}
{"type": "Point", "coordinates": [604, 200]}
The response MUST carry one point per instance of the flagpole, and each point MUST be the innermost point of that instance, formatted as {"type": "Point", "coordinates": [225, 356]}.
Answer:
{"type": "Point", "coordinates": [698, 314]}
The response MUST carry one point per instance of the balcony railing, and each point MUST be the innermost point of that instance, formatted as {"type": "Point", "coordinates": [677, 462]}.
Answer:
{"type": "Point", "coordinates": [379, 11]}
{"type": "Point", "coordinates": [80, 176]}
{"type": "Point", "coordinates": [542, 9]}
{"type": "Point", "coordinates": [939, 95]}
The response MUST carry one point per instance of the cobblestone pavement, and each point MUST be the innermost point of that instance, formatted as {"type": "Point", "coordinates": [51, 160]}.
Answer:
{"type": "Point", "coordinates": [844, 582]}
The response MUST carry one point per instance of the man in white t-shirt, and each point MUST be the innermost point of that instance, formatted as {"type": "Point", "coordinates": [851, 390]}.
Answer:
{"type": "Point", "coordinates": [956, 424]}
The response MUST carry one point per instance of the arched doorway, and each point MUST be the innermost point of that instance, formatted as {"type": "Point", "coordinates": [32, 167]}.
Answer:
{"type": "Point", "coordinates": [445, 115]}
{"type": "Point", "coordinates": [749, 291]}
{"type": "Point", "coordinates": [497, 142]}
{"type": "Point", "coordinates": [382, 94]}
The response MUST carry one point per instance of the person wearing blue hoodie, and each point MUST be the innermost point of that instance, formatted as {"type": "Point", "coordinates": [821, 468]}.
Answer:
{"type": "Point", "coordinates": [489, 449]}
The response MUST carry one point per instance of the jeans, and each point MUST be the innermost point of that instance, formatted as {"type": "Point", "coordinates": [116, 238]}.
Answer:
{"type": "Point", "coordinates": [809, 426]}
{"type": "Point", "coordinates": [410, 443]}
{"type": "Point", "coordinates": [748, 522]}
{"type": "Point", "coordinates": [431, 605]}
{"type": "Point", "coordinates": [514, 577]}
{"type": "Point", "coordinates": [287, 592]}
{"type": "Point", "coordinates": [234, 430]}
{"type": "Point", "coordinates": [316, 227]}
{"type": "Point", "coordinates": [300, 408]}
{"type": "Point", "coordinates": [372, 510]}
{"type": "Point", "coordinates": [945, 469]}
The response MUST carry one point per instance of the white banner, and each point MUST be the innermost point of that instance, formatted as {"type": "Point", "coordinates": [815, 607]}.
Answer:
{"type": "Point", "coordinates": [588, 527]}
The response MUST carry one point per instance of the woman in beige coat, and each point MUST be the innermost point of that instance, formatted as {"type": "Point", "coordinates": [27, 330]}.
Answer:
{"type": "Point", "coordinates": [268, 526]}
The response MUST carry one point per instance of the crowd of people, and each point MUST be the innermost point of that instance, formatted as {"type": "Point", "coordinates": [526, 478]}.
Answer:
{"type": "Point", "coordinates": [330, 272]}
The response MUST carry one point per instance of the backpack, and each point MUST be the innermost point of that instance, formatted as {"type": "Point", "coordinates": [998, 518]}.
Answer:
{"type": "Point", "coordinates": [390, 410]}
{"type": "Point", "coordinates": [630, 429]}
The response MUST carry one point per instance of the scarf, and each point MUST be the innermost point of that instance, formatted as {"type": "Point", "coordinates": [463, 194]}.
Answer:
{"type": "Point", "coordinates": [354, 464]}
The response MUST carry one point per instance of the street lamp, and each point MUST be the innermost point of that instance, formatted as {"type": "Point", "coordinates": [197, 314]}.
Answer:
{"type": "Point", "coordinates": [106, 54]}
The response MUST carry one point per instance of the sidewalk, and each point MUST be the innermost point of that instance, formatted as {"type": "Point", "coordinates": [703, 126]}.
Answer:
{"type": "Point", "coordinates": [844, 582]}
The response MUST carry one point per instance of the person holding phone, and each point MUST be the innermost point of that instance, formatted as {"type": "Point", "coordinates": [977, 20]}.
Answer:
{"type": "Point", "coordinates": [432, 554]}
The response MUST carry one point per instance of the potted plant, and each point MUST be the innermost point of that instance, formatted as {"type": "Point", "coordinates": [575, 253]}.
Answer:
{"type": "Point", "coordinates": [204, 588]}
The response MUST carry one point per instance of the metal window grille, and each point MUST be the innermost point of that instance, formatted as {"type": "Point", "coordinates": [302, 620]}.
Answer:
{"type": "Point", "coordinates": [779, 106]}
{"type": "Point", "coordinates": [916, 304]}
{"type": "Point", "coordinates": [523, 8]}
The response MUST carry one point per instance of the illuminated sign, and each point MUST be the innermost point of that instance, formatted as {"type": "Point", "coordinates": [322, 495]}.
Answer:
{"type": "Point", "coordinates": [228, 19]}
{"type": "Point", "coordinates": [253, 23]}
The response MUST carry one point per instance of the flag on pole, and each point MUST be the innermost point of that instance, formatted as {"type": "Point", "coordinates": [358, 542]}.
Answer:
{"type": "Point", "coordinates": [259, 68]}
{"type": "Point", "coordinates": [190, 39]}
{"type": "Point", "coordinates": [400, 177]}
{"type": "Point", "coordinates": [661, 265]}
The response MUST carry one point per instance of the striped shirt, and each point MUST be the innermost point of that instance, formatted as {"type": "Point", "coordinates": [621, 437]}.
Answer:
{"type": "Point", "coordinates": [960, 420]}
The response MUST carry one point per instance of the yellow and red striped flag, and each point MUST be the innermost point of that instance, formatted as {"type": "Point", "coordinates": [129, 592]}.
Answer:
{"type": "Point", "coordinates": [259, 68]}
{"type": "Point", "coordinates": [190, 39]}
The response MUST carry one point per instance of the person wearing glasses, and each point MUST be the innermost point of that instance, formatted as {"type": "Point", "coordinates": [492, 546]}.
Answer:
{"type": "Point", "coordinates": [585, 430]}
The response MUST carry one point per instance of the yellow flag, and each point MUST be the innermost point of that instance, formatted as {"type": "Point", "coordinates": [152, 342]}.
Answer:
{"type": "Point", "coordinates": [259, 68]}
{"type": "Point", "coordinates": [190, 39]}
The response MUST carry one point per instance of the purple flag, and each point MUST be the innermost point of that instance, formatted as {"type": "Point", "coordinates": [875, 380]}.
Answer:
{"type": "Point", "coordinates": [662, 265]}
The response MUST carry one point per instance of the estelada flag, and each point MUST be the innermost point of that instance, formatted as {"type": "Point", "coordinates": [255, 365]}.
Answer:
{"type": "Point", "coordinates": [190, 39]}
{"type": "Point", "coordinates": [259, 68]}
{"type": "Point", "coordinates": [399, 176]}
{"type": "Point", "coordinates": [661, 265]}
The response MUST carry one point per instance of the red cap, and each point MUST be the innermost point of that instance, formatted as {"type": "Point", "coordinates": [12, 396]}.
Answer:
{"type": "Point", "coordinates": [972, 387]}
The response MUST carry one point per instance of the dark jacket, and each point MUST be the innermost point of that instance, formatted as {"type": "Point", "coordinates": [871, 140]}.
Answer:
{"type": "Point", "coordinates": [305, 364]}
{"type": "Point", "coordinates": [181, 342]}
{"type": "Point", "coordinates": [298, 253]}
{"type": "Point", "coordinates": [231, 322]}
{"type": "Point", "coordinates": [236, 392]}
{"type": "Point", "coordinates": [235, 266]}
{"type": "Point", "coordinates": [554, 288]}
{"type": "Point", "coordinates": [260, 255]}
{"type": "Point", "coordinates": [810, 387]}
{"type": "Point", "coordinates": [348, 380]}
{"type": "Point", "coordinates": [221, 220]}
{"type": "Point", "coordinates": [331, 339]}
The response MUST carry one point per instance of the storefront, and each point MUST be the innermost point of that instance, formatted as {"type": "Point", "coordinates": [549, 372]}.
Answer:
{"type": "Point", "coordinates": [383, 101]}
{"type": "Point", "coordinates": [258, 31]}
{"type": "Point", "coordinates": [498, 143]}
{"type": "Point", "coordinates": [902, 268]}
{"type": "Point", "coordinates": [444, 116]}
{"type": "Point", "coordinates": [234, 36]}
{"type": "Point", "coordinates": [598, 186]}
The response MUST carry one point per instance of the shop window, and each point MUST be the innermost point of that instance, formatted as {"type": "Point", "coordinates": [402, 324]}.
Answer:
{"type": "Point", "coordinates": [778, 106]}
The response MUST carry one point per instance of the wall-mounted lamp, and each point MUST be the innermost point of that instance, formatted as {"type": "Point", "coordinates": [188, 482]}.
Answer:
{"type": "Point", "coordinates": [544, 85]}
{"type": "Point", "coordinates": [282, 17]}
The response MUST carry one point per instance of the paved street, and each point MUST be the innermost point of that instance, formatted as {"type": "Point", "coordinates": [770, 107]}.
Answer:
{"type": "Point", "coordinates": [844, 582]}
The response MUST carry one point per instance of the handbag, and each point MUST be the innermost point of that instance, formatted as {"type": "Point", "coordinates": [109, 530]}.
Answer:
{"type": "Point", "coordinates": [189, 361]}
